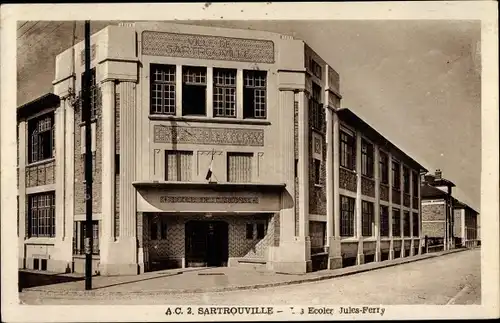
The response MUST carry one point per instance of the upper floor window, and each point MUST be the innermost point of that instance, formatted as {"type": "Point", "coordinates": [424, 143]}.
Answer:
{"type": "Point", "coordinates": [406, 180]}
{"type": "Point", "coordinates": [41, 141]}
{"type": "Point", "coordinates": [178, 165]}
{"type": "Point", "coordinates": [239, 167]}
{"type": "Point", "coordinates": [366, 158]}
{"type": "Point", "coordinates": [224, 92]}
{"type": "Point", "coordinates": [317, 171]}
{"type": "Point", "coordinates": [95, 94]}
{"type": "Point", "coordinates": [396, 175]}
{"type": "Point", "coordinates": [315, 107]}
{"type": "Point", "coordinates": [162, 85]}
{"type": "Point", "coordinates": [384, 168]}
{"type": "Point", "coordinates": [194, 90]}
{"type": "Point", "coordinates": [41, 215]}
{"type": "Point", "coordinates": [254, 94]}
{"type": "Point", "coordinates": [415, 183]}
{"type": "Point", "coordinates": [315, 68]}
{"type": "Point", "coordinates": [347, 152]}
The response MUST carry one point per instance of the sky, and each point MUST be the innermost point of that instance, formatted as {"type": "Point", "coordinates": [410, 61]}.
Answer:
{"type": "Point", "coordinates": [417, 82]}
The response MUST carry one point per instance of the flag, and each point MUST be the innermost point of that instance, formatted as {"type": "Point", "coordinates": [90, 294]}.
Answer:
{"type": "Point", "coordinates": [209, 172]}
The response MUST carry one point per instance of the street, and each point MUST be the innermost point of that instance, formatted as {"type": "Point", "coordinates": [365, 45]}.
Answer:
{"type": "Point", "coordinates": [450, 279]}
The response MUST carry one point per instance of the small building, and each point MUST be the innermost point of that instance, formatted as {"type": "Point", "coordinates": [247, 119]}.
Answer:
{"type": "Point", "coordinates": [221, 147]}
{"type": "Point", "coordinates": [466, 228]}
{"type": "Point", "coordinates": [437, 211]}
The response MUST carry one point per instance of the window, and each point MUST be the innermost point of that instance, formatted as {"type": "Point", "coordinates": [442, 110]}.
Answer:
{"type": "Point", "coordinates": [347, 154]}
{"type": "Point", "coordinates": [296, 170]}
{"type": "Point", "coordinates": [317, 171]}
{"type": "Point", "coordinates": [396, 176]}
{"type": "Point", "coordinates": [396, 223]}
{"type": "Point", "coordinates": [178, 165]}
{"type": "Point", "coordinates": [162, 86]}
{"type": "Point", "coordinates": [249, 231]}
{"type": "Point", "coordinates": [164, 228]}
{"type": "Point", "coordinates": [366, 158]}
{"type": "Point", "coordinates": [117, 164]}
{"type": "Point", "coordinates": [384, 168]}
{"type": "Point", "coordinates": [79, 235]}
{"type": "Point", "coordinates": [315, 68]}
{"type": "Point", "coordinates": [194, 90]}
{"type": "Point", "coordinates": [346, 216]}
{"type": "Point", "coordinates": [261, 230]}
{"type": "Point", "coordinates": [41, 138]}
{"type": "Point", "coordinates": [315, 107]}
{"type": "Point", "coordinates": [95, 94]}
{"type": "Point", "coordinates": [367, 218]}
{"type": "Point", "coordinates": [254, 94]}
{"type": "Point", "coordinates": [416, 227]}
{"type": "Point", "coordinates": [384, 221]}
{"type": "Point", "coordinates": [153, 233]}
{"type": "Point", "coordinates": [41, 215]}
{"type": "Point", "coordinates": [224, 92]}
{"type": "Point", "coordinates": [406, 223]}
{"type": "Point", "coordinates": [239, 167]}
{"type": "Point", "coordinates": [43, 264]}
{"type": "Point", "coordinates": [406, 180]}
{"type": "Point", "coordinates": [415, 184]}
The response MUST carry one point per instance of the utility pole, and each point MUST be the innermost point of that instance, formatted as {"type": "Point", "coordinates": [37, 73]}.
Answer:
{"type": "Point", "coordinates": [86, 107]}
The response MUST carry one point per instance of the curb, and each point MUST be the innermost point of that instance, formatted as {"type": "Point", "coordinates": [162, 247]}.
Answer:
{"type": "Point", "coordinates": [236, 288]}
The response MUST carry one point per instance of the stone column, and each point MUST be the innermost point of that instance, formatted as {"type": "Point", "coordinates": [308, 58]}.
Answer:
{"type": "Point", "coordinates": [377, 202]}
{"type": "Point", "coordinates": [391, 234]}
{"type": "Point", "coordinates": [23, 146]}
{"type": "Point", "coordinates": [360, 259]}
{"type": "Point", "coordinates": [108, 170]}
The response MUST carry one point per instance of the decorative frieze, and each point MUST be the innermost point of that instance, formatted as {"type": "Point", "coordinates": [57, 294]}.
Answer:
{"type": "Point", "coordinates": [384, 193]}
{"type": "Point", "coordinates": [207, 47]}
{"type": "Point", "coordinates": [209, 199]}
{"type": "Point", "coordinates": [347, 180]}
{"type": "Point", "coordinates": [208, 136]}
{"type": "Point", "coordinates": [42, 174]}
{"type": "Point", "coordinates": [367, 187]}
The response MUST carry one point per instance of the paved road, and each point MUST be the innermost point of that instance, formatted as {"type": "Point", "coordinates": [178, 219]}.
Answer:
{"type": "Point", "coordinates": [450, 279]}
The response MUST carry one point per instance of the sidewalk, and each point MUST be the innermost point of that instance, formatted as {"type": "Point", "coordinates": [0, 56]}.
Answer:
{"type": "Point", "coordinates": [198, 280]}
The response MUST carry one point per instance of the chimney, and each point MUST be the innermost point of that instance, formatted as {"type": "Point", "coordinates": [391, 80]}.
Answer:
{"type": "Point", "coordinates": [438, 174]}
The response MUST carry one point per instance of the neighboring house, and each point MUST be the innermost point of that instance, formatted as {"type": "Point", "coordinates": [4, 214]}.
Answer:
{"type": "Point", "coordinates": [467, 223]}
{"type": "Point", "coordinates": [39, 174]}
{"type": "Point", "coordinates": [437, 211]}
{"type": "Point", "coordinates": [222, 147]}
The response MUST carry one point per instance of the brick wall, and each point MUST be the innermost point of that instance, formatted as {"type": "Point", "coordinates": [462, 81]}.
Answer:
{"type": "Point", "coordinates": [433, 229]}
{"type": "Point", "coordinates": [80, 165]}
{"type": "Point", "coordinates": [317, 194]}
{"type": "Point", "coordinates": [42, 174]}
{"type": "Point", "coordinates": [457, 223]}
{"type": "Point", "coordinates": [433, 212]}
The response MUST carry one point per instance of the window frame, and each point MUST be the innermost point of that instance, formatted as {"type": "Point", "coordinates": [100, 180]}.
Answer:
{"type": "Point", "coordinates": [396, 215]}
{"type": "Point", "coordinates": [317, 171]}
{"type": "Point", "coordinates": [222, 82]}
{"type": "Point", "coordinates": [178, 171]}
{"type": "Point", "coordinates": [396, 175]}
{"type": "Point", "coordinates": [347, 150]}
{"type": "Point", "coordinates": [42, 215]}
{"type": "Point", "coordinates": [250, 76]}
{"type": "Point", "coordinates": [229, 156]}
{"type": "Point", "coordinates": [95, 94]}
{"type": "Point", "coordinates": [384, 221]}
{"type": "Point", "coordinates": [347, 216]}
{"type": "Point", "coordinates": [264, 231]}
{"type": "Point", "coordinates": [406, 179]}
{"type": "Point", "coordinates": [315, 107]}
{"type": "Point", "coordinates": [249, 231]}
{"type": "Point", "coordinates": [406, 224]}
{"type": "Point", "coordinates": [384, 167]}
{"type": "Point", "coordinates": [188, 73]}
{"type": "Point", "coordinates": [367, 218]}
{"type": "Point", "coordinates": [41, 132]}
{"type": "Point", "coordinates": [79, 235]}
{"type": "Point", "coordinates": [166, 85]}
{"type": "Point", "coordinates": [367, 158]}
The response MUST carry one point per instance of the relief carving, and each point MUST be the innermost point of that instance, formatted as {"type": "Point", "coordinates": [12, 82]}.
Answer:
{"type": "Point", "coordinates": [347, 180]}
{"type": "Point", "coordinates": [207, 47]}
{"type": "Point", "coordinates": [367, 187]}
{"type": "Point", "coordinates": [208, 136]}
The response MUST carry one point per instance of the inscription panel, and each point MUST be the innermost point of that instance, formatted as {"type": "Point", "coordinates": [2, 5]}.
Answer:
{"type": "Point", "coordinates": [208, 136]}
{"type": "Point", "coordinates": [209, 199]}
{"type": "Point", "coordinates": [207, 47]}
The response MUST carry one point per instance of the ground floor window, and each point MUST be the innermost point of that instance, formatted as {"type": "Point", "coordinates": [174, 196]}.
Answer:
{"type": "Point", "coordinates": [41, 215]}
{"type": "Point", "coordinates": [317, 232]}
{"type": "Point", "coordinates": [346, 216]}
{"type": "Point", "coordinates": [396, 223]}
{"type": "Point", "coordinates": [384, 221]}
{"type": "Point", "coordinates": [79, 233]}
{"type": "Point", "coordinates": [406, 224]}
{"type": "Point", "coordinates": [367, 218]}
{"type": "Point", "coordinates": [416, 227]}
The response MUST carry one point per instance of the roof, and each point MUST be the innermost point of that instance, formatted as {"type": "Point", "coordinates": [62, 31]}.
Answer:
{"type": "Point", "coordinates": [37, 105]}
{"type": "Point", "coordinates": [350, 117]}
{"type": "Point", "coordinates": [431, 179]}
{"type": "Point", "coordinates": [427, 191]}
{"type": "Point", "coordinates": [461, 205]}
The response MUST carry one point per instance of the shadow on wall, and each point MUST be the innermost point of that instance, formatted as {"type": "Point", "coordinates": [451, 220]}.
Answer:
{"type": "Point", "coordinates": [33, 279]}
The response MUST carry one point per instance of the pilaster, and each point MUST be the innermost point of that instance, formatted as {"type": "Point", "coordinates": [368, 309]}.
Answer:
{"type": "Point", "coordinates": [412, 244]}
{"type": "Point", "coordinates": [335, 257]}
{"type": "Point", "coordinates": [376, 159]}
{"type": "Point", "coordinates": [210, 94]}
{"type": "Point", "coordinates": [69, 176]}
{"type": "Point", "coordinates": [391, 221]}
{"type": "Point", "coordinates": [178, 90]}
{"type": "Point", "coordinates": [22, 192]}
{"type": "Point", "coordinates": [360, 259]}
{"type": "Point", "coordinates": [303, 167]}
{"type": "Point", "coordinates": [401, 211]}
{"type": "Point", "coordinates": [419, 217]}
{"type": "Point", "coordinates": [239, 94]}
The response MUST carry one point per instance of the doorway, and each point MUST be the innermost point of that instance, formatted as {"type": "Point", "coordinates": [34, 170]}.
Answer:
{"type": "Point", "coordinates": [206, 243]}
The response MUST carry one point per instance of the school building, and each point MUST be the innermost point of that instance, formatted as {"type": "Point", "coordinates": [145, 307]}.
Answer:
{"type": "Point", "coordinates": [211, 147]}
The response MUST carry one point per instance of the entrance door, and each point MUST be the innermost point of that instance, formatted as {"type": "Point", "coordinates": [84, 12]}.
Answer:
{"type": "Point", "coordinates": [206, 243]}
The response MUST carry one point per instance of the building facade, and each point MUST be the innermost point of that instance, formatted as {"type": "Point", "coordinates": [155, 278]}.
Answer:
{"type": "Point", "coordinates": [467, 226]}
{"type": "Point", "coordinates": [222, 147]}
